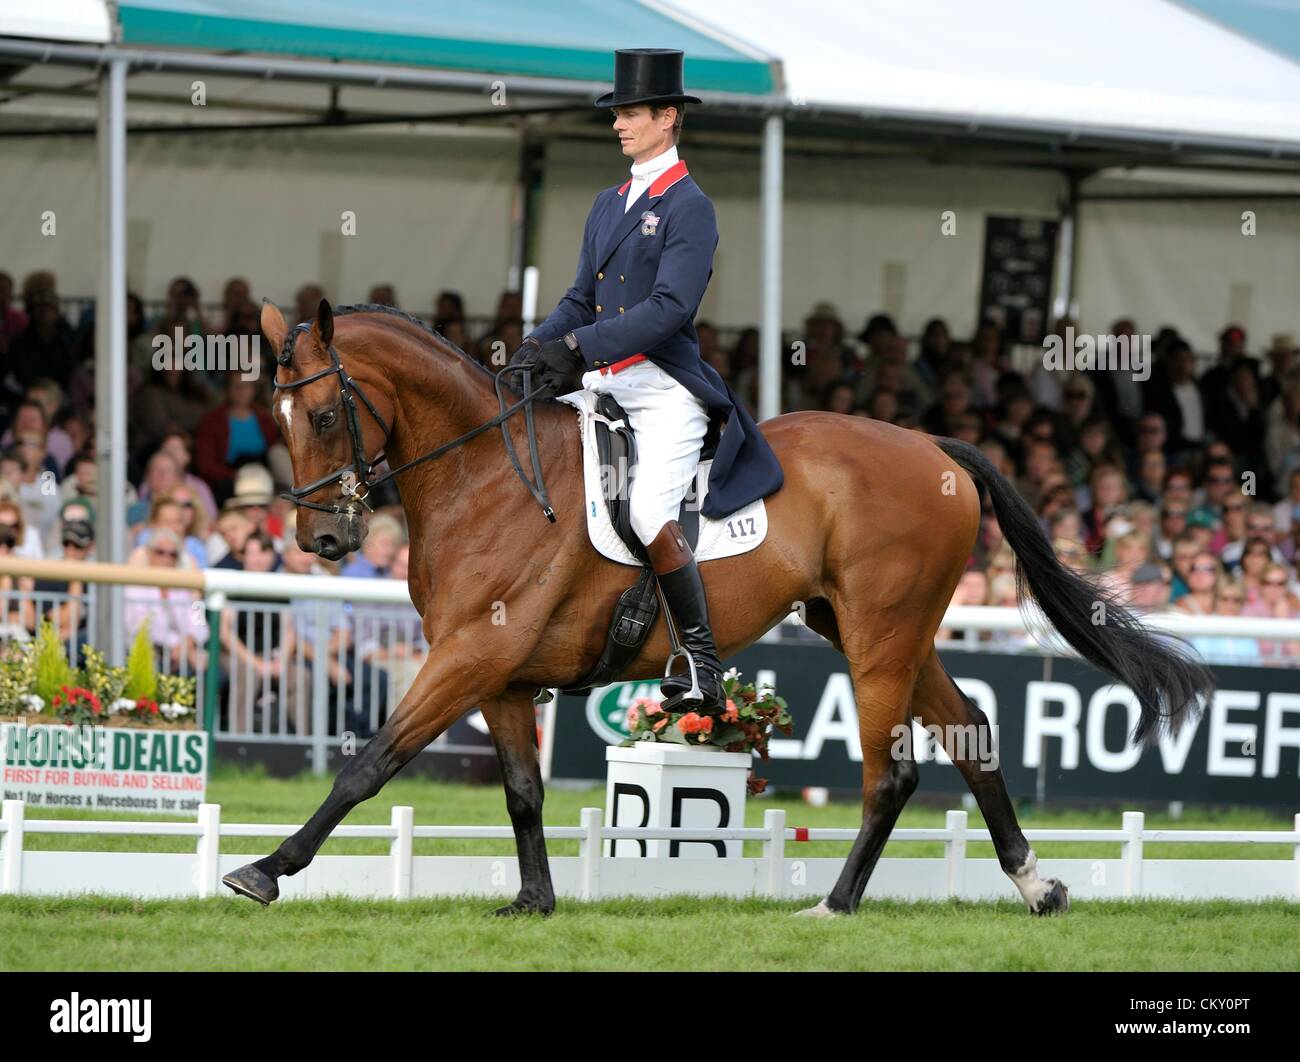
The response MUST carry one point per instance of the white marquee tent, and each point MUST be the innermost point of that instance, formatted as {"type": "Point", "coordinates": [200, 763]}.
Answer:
{"type": "Point", "coordinates": [1024, 106]}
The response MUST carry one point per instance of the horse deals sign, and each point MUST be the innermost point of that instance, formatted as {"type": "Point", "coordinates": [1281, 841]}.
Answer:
{"type": "Point", "coordinates": [1061, 728]}
{"type": "Point", "coordinates": [159, 772]}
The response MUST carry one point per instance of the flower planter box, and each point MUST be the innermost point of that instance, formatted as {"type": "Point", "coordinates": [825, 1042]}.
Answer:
{"type": "Point", "coordinates": [666, 784]}
{"type": "Point", "coordinates": [159, 769]}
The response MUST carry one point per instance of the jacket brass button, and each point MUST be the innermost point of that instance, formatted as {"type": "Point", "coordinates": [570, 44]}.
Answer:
{"type": "Point", "coordinates": [599, 307]}
{"type": "Point", "coordinates": [600, 276]}
{"type": "Point", "coordinates": [621, 278]}
{"type": "Point", "coordinates": [620, 309]}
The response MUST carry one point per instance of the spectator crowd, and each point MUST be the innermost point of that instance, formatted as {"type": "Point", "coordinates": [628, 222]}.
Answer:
{"type": "Point", "coordinates": [1180, 490]}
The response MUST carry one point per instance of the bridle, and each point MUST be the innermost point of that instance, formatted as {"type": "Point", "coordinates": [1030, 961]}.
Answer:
{"type": "Point", "coordinates": [354, 479]}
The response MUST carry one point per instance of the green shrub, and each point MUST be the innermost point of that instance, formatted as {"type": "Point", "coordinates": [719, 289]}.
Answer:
{"type": "Point", "coordinates": [141, 675]}
{"type": "Point", "coordinates": [51, 670]}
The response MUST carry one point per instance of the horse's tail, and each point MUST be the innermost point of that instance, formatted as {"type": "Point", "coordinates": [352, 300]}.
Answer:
{"type": "Point", "coordinates": [1161, 670]}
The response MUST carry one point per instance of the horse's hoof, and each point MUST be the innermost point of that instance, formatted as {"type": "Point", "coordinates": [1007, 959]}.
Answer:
{"type": "Point", "coordinates": [820, 911]}
{"type": "Point", "coordinates": [1055, 901]}
{"type": "Point", "coordinates": [253, 883]}
{"type": "Point", "coordinates": [525, 907]}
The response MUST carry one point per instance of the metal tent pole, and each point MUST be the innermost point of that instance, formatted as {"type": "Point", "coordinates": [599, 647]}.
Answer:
{"type": "Point", "coordinates": [769, 377]}
{"type": "Point", "coordinates": [110, 353]}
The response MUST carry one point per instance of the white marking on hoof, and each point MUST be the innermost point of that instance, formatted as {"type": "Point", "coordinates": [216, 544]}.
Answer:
{"type": "Point", "coordinates": [820, 911]}
{"type": "Point", "coordinates": [1033, 888]}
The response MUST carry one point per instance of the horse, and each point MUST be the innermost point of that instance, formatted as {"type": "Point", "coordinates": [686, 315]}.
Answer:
{"type": "Point", "coordinates": [867, 539]}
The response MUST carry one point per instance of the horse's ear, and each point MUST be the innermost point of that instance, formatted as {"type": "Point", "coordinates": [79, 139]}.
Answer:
{"type": "Point", "coordinates": [273, 326]}
{"type": "Point", "coordinates": [324, 326]}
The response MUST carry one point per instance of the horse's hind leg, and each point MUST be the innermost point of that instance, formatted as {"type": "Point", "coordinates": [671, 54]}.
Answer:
{"type": "Point", "coordinates": [939, 702]}
{"type": "Point", "coordinates": [513, 723]}
{"type": "Point", "coordinates": [882, 688]}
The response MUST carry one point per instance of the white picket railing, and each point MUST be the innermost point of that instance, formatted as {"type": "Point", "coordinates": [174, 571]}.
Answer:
{"type": "Point", "coordinates": [778, 872]}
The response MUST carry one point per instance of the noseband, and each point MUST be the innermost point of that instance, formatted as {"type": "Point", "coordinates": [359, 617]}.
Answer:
{"type": "Point", "coordinates": [354, 479]}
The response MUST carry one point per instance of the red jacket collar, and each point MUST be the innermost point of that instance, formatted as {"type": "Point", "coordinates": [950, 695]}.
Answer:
{"type": "Point", "coordinates": [663, 182]}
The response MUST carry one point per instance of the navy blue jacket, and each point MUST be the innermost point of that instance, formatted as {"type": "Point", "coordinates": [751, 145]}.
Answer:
{"type": "Point", "coordinates": [639, 285]}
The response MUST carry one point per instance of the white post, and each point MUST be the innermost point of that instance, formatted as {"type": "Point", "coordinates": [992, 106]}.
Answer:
{"type": "Point", "coordinates": [1133, 825]}
{"type": "Point", "coordinates": [209, 850]}
{"type": "Point", "coordinates": [954, 850]}
{"type": "Point", "coordinates": [401, 849]}
{"type": "Point", "coordinates": [11, 874]}
{"type": "Point", "coordinates": [769, 333]}
{"type": "Point", "coordinates": [774, 850]}
{"type": "Point", "coordinates": [589, 854]}
{"type": "Point", "coordinates": [320, 690]}
{"type": "Point", "coordinates": [1297, 859]}
{"type": "Point", "coordinates": [550, 713]}
{"type": "Point", "coordinates": [110, 354]}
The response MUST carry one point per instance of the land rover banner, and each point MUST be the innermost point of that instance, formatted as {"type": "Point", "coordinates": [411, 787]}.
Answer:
{"type": "Point", "coordinates": [1061, 731]}
{"type": "Point", "coordinates": [104, 768]}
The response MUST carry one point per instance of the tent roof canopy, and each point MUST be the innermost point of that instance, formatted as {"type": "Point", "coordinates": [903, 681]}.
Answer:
{"type": "Point", "coordinates": [1272, 23]}
{"type": "Point", "coordinates": [1143, 69]}
{"type": "Point", "coordinates": [1075, 85]}
{"type": "Point", "coordinates": [58, 20]}
{"type": "Point", "coordinates": [565, 39]}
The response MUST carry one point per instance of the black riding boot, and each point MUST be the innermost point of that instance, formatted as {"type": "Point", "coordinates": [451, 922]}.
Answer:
{"type": "Point", "coordinates": [679, 576]}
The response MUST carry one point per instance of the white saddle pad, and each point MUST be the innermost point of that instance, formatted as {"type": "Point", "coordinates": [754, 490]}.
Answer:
{"type": "Point", "coordinates": [726, 537]}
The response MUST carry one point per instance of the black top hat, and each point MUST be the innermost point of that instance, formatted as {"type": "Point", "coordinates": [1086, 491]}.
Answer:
{"type": "Point", "coordinates": [646, 75]}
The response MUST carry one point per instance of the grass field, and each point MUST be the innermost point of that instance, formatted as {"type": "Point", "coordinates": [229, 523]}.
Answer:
{"type": "Point", "coordinates": [667, 934]}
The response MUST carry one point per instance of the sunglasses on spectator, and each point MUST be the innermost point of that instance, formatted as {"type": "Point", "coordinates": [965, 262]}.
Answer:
{"type": "Point", "coordinates": [1220, 479]}
{"type": "Point", "coordinates": [1204, 568]}
{"type": "Point", "coordinates": [1275, 582]}
{"type": "Point", "coordinates": [1180, 514]}
{"type": "Point", "coordinates": [165, 553]}
{"type": "Point", "coordinates": [1235, 599]}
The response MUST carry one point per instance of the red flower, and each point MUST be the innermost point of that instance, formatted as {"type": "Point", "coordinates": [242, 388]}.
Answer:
{"type": "Point", "coordinates": [694, 723]}
{"type": "Point", "coordinates": [732, 714]}
{"type": "Point", "coordinates": [58, 699]}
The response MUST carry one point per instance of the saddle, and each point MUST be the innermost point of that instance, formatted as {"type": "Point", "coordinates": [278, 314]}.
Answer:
{"type": "Point", "coordinates": [637, 608]}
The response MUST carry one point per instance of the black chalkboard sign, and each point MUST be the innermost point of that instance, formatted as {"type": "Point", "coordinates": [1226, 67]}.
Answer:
{"type": "Point", "coordinates": [1019, 257]}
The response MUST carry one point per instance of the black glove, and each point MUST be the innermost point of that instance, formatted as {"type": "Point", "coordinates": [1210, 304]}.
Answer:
{"type": "Point", "coordinates": [526, 355]}
{"type": "Point", "coordinates": [561, 368]}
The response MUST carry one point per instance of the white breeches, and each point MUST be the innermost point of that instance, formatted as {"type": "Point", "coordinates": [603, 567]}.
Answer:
{"type": "Point", "coordinates": [669, 424]}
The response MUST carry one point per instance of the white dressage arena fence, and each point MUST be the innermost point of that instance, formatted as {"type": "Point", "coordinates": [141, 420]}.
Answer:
{"type": "Point", "coordinates": [779, 872]}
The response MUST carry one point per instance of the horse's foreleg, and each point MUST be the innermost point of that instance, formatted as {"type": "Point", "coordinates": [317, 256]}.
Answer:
{"type": "Point", "coordinates": [513, 723]}
{"type": "Point", "coordinates": [442, 691]}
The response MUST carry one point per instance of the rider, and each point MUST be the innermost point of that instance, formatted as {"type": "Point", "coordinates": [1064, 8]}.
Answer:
{"type": "Point", "coordinates": [626, 328]}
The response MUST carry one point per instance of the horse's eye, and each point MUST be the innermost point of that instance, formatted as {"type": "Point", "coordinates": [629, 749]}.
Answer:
{"type": "Point", "coordinates": [326, 419]}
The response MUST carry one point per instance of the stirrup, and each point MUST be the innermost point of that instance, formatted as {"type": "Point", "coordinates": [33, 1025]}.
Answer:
{"type": "Point", "coordinates": [692, 696]}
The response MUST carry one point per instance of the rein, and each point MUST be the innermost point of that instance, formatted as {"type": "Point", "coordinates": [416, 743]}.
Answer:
{"type": "Point", "coordinates": [354, 479]}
